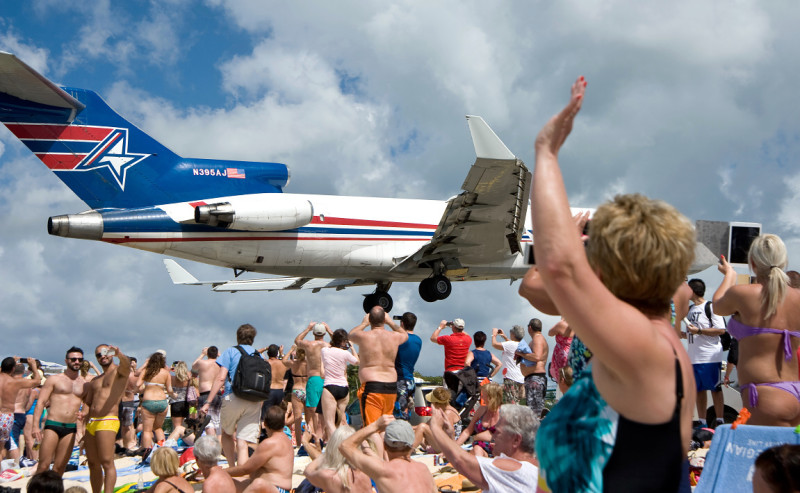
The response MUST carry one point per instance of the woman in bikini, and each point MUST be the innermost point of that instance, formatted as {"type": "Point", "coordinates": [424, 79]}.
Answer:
{"type": "Point", "coordinates": [766, 321]}
{"type": "Point", "coordinates": [155, 384]}
{"type": "Point", "coordinates": [298, 370]}
{"type": "Point", "coordinates": [165, 464]}
{"type": "Point", "coordinates": [439, 398]}
{"type": "Point", "coordinates": [336, 391]}
{"type": "Point", "coordinates": [483, 421]}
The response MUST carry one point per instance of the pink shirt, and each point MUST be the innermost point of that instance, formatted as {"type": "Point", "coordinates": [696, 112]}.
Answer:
{"type": "Point", "coordinates": [335, 361]}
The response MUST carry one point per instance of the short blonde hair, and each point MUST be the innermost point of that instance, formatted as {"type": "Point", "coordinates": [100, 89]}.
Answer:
{"type": "Point", "coordinates": [642, 249]}
{"type": "Point", "coordinates": [164, 462]}
{"type": "Point", "coordinates": [494, 395]}
{"type": "Point", "coordinates": [767, 258]}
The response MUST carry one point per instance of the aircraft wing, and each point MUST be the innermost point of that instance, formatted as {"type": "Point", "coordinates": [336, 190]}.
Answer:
{"type": "Point", "coordinates": [179, 275]}
{"type": "Point", "coordinates": [485, 222]}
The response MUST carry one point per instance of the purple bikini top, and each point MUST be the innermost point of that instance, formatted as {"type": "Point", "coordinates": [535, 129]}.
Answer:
{"type": "Point", "coordinates": [740, 331]}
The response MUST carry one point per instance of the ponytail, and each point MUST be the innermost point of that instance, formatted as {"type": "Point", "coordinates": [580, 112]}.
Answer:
{"type": "Point", "coordinates": [768, 259]}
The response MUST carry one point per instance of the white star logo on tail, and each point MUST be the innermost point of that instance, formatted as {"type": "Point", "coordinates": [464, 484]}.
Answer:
{"type": "Point", "coordinates": [112, 153]}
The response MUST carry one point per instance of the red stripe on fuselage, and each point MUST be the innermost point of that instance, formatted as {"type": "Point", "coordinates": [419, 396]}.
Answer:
{"type": "Point", "coordinates": [61, 161]}
{"type": "Point", "coordinates": [58, 132]}
{"type": "Point", "coordinates": [251, 238]}
{"type": "Point", "coordinates": [343, 221]}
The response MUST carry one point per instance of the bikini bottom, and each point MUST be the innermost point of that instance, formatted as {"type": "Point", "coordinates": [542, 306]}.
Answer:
{"type": "Point", "coordinates": [791, 387]}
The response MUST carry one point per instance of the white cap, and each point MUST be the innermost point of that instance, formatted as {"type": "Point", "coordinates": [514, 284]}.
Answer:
{"type": "Point", "coordinates": [458, 322]}
{"type": "Point", "coordinates": [319, 329]}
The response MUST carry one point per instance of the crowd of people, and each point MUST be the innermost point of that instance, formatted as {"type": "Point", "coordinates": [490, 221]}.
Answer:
{"type": "Point", "coordinates": [618, 359]}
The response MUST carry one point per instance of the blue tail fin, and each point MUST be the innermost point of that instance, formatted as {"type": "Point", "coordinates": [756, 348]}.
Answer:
{"type": "Point", "coordinates": [106, 160]}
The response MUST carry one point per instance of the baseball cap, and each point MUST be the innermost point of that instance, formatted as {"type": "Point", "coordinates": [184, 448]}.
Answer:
{"type": "Point", "coordinates": [458, 322]}
{"type": "Point", "coordinates": [399, 434]}
{"type": "Point", "coordinates": [319, 329]}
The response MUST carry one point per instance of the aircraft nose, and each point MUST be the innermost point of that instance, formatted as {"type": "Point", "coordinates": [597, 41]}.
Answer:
{"type": "Point", "coordinates": [86, 226]}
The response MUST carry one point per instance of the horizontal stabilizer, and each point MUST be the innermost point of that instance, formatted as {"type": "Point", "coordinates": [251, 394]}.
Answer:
{"type": "Point", "coordinates": [180, 275]}
{"type": "Point", "coordinates": [20, 81]}
{"type": "Point", "coordinates": [487, 144]}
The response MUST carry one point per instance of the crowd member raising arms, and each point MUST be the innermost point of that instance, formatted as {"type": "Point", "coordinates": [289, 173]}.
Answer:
{"type": "Point", "coordinates": [330, 471]}
{"type": "Point", "coordinates": [767, 324]}
{"type": "Point", "coordinates": [616, 295]}
{"type": "Point", "coordinates": [155, 384]}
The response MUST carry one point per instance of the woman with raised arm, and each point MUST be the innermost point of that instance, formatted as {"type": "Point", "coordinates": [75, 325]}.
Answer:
{"type": "Point", "coordinates": [766, 322]}
{"type": "Point", "coordinates": [626, 425]}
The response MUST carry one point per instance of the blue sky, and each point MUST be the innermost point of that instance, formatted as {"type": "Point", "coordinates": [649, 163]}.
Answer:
{"type": "Point", "coordinates": [689, 103]}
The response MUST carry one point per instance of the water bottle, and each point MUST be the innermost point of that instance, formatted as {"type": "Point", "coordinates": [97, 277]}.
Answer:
{"type": "Point", "coordinates": [140, 481]}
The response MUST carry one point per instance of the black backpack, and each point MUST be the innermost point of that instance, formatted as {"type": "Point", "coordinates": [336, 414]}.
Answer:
{"type": "Point", "coordinates": [252, 378]}
{"type": "Point", "coordinates": [725, 338]}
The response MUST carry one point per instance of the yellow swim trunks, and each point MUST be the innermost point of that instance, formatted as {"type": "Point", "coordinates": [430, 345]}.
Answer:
{"type": "Point", "coordinates": [105, 423]}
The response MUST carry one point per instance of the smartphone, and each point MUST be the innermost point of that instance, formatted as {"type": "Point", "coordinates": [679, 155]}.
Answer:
{"type": "Point", "coordinates": [111, 353]}
{"type": "Point", "coordinates": [397, 317]}
{"type": "Point", "coordinates": [104, 351]}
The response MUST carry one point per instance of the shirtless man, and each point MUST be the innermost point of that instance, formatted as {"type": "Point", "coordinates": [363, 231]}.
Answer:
{"type": "Point", "coordinates": [207, 370]}
{"type": "Point", "coordinates": [10, 387]}
{"type": "Point", "coordinates": [270, 467]}
{"type": "Point", "coordinates": [127, 409]}
{"type": "Point", "coordinates": [64, 394]}
{"type": "Point", "coordinates": [315, 383]}
{"type": "Point", "coordinates": [278, 377]}
{"type": "Point", "coordinates": [103, 396]}
{"type": "Point", "coordinates": [534, 368]}
{"type": "Point", "coordinates": [377, 349]}
{"type": "Point", "coordinates": [399, 474]}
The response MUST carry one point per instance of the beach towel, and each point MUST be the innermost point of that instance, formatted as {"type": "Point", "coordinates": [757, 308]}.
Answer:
{"type": "Point", "coordinates": [730, 461]}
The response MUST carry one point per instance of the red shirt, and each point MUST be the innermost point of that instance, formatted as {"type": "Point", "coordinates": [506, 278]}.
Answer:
{"type": "Point", "coordinates": [456, 347]}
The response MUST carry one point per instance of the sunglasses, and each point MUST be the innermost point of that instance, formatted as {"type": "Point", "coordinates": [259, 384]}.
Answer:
{"type": "Point", "coordinates": [99, 355]}
{"type": "Point", "coordinates": [80, 360]}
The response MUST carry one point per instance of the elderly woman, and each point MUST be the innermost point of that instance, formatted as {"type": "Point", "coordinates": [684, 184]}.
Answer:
{"type": "Point", "coordinates": [615, 293]}
{"type": "Point", "coordinates": [164, 464]}
{"type": "Point", "coordinates": [155, 384]}
{"type": "Point", "coordinates": [206, 452]}
{"type": "Point", "coordinates": [330, 471]}
{"type": "Point", "coordinates": [766, 322]}
{"type": "Point", "coordinates": [483, 422]}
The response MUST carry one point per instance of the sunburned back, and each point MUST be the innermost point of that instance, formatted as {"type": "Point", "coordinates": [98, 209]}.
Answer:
{"type": "Point", "coordinates": [762, 356]}
{"type": "Point", "coordinates": [154, 389]}
{"type": "Point", "coordinates": [358, 482]}
{"type": "Point", "coordinates": [314, 356]}
{"type": "Point", "coordinates": [207, 371]}
{"type": "Point", "coordinates": [9, 387]}
{"type": "Point", "coordinates": [377, 352]}
{"type": "Point", "coordinates": [406, 475]}
{"type": "Point", "coordinates": [65, 398]}
{"type": "Point", "coordinates": [277, 470]}
{"type": "Point", "coordinates": [278, 371]}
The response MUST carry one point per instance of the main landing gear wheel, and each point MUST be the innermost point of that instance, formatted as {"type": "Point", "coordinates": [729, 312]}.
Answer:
{"type": "Point", "coordinates": [435, 288]}
{"type": "Point", "coordinates": [378, 298]}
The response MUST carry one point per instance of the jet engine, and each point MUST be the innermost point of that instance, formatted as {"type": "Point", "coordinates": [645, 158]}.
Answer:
{"type": "Point", "coordinates": [262, 212]}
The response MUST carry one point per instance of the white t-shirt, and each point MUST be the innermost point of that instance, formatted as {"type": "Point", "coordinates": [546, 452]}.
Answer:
{"type": "Point", "coordinates": [703, 348]}
{"type": "Point", "coordinates": [335, 361]}
{"type": "Point", "coordinates": [526, 478]}
{"type": "Point", "coordinates": [511, 368]}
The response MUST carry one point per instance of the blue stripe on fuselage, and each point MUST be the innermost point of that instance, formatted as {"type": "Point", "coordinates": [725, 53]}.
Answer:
{"type": "Point", "coordinates": [154, 220]}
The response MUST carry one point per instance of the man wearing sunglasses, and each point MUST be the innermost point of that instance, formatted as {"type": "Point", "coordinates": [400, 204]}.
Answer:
{"type": "Point", "coordinates": [63, 392]}
{"type": "Point", "coordinates": [103, 395]}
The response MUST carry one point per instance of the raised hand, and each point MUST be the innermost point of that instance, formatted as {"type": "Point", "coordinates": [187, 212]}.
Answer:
{"type": "Point", "coordinates": [556, 130]}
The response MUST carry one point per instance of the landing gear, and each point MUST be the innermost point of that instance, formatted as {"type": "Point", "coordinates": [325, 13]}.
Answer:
{"type": "Point", "coordinates": [435, 288]}
{"type": "Point", "coordinates": [378, 298]}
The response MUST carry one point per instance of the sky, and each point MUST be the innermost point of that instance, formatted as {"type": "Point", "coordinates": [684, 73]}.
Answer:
{"type": "Point", "coordinates": [689, 102]}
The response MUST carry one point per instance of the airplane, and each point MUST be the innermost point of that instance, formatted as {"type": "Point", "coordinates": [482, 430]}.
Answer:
{"type": "Point", "coordinates": [235, 214]}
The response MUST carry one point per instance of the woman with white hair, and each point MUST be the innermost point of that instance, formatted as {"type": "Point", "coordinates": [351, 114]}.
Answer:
{"type": "Point", "coordinates": [766, 321]}
{"type": "Point", "coordinates": [206, 452]}
{"type": "Point", "coordinates": [330, 471]}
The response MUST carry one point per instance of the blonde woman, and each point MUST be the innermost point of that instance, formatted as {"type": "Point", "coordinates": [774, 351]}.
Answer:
{"type": "Point", "coordinates": [155, 384]}
{"type": "Point", "coordinates": [483, 422]}
{"type": "Point", "coordinates": [179, 405]}
{"type": "Point", "coordinates": [330, 471]}
{"type": "Point", "coordinates": [615, 292]}
{"type": "Point", "coordinates": [298, 367]}
{"type": "Point", "coordinates": [165, 464]}
{"type": "Point", "coordinates": [766, 321]}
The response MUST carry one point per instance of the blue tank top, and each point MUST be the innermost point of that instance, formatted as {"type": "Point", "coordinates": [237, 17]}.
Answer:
{"type": "Point", "coordinates": [482, 363]}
